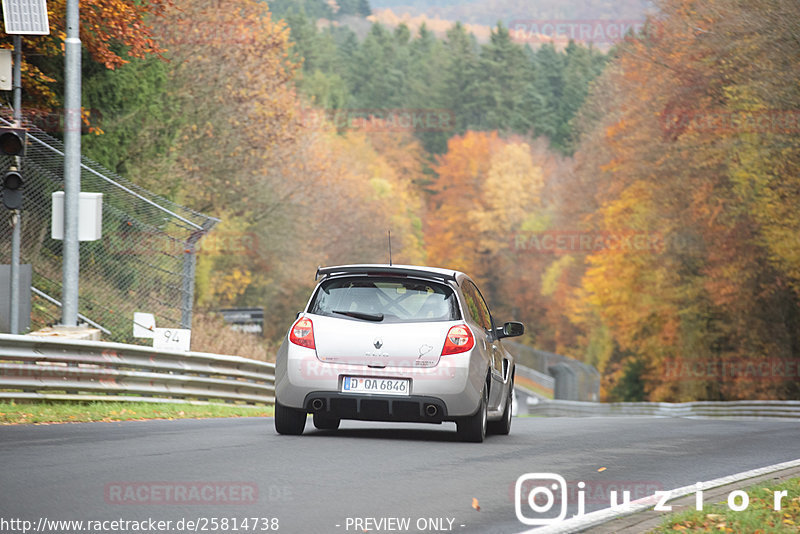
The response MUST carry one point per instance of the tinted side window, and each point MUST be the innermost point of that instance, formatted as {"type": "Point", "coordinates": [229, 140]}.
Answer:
{"type": "Point", "coordinates": [476, 306]}
{"type": "Point", "coordinates": [486, 316]}
{"type": "Point", "coordinates": [472, 303]}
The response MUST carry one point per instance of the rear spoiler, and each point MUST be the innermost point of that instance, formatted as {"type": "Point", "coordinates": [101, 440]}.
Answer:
{"type": "Point", "coordinates": [379, 270]}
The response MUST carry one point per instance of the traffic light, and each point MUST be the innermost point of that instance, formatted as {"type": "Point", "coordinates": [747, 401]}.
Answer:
{"type": "Point", "coordinates": [12, 141]}
{"type": "Point", "coordinates": [12, 190]}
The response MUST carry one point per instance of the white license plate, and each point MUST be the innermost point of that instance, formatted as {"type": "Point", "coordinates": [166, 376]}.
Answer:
{"type": "Point", "coordinates": [376, 386]}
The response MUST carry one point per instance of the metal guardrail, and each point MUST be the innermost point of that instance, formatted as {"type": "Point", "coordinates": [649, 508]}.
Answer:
{"type": "Point", "coordinates": [57, 369]}
{"type": "Point", "coordinates": [546, 382]}
{"type": "Point", "coordinates": [542, 379]}
{"type": "Point", "coordinates": [563, 408]}
{"type": "Point", "coordinates": [573, 380]}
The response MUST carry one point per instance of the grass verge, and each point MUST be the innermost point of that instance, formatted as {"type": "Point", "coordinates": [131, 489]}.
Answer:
{"type": "Point", "coordinates": [760, 516]}
{"type": "Point", "coordinates": [84, 412]}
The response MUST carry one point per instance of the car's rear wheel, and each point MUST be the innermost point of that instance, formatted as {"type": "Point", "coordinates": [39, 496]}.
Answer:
{"type": "Point", "coordinates": [503, 426]}
{"type": "Point", "coordinates": [473, 428]}
{"type": "Point", "coordinates": [290, 421]}
{"type": "Point", "coordinates": [326, 422]}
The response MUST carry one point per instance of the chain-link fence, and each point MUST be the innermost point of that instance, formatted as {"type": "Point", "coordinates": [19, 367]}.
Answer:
{"type": "Point", "coordinates": [144, 261]}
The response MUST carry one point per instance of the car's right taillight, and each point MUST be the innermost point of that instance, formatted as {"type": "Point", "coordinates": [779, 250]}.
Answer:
{"type": "Point", "coordinates": [459, 339]}
{"type": "Point", "coordinates": [302, 333]}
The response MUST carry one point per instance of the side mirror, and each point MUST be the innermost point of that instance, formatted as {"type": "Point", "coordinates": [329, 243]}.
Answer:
{"type": "Point", "coordinates": [511, 329]}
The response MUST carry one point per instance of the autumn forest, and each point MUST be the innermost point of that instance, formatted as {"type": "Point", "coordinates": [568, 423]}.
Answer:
{"type": "Point", "coordinates": [636, 206]}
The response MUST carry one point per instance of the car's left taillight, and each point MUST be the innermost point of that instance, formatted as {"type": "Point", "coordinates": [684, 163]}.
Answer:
{"type": "Point", "coordinates": [302, 333]}
{"type": "Point", "coordinates": [459, 339]}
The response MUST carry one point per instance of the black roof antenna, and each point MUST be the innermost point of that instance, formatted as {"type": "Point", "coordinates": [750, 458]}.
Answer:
{"type": "Point", "coordinates": [390, 247]}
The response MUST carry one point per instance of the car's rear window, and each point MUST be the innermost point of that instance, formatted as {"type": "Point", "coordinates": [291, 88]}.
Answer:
{"type": "Point", "coordinates": [385, 300]}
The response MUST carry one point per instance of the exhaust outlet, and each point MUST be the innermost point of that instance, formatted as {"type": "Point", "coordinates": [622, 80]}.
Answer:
{"type": "Point", "coordinates": [431, 410]}
{"type": "Point", "coordinates": [317, 404]}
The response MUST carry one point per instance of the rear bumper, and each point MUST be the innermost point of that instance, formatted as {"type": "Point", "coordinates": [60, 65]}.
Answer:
{"type": "Point", "coordinates": [407, 409]}
{"type": "Point", "coordinates": [454, 386]}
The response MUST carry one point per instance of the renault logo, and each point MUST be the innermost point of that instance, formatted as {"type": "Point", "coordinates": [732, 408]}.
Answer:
{"type": "Point", "coordinates": [378, 342]}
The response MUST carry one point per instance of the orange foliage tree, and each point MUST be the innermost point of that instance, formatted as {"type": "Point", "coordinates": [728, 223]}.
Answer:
{"type": "Point", "coordinates": [294, 194]}
{"type": "Point", "coordinates": [110, 30]}
{"type": "Point", "coordinates": [685, 139]}
{"type": "Point", "coordinates": [488, 190]}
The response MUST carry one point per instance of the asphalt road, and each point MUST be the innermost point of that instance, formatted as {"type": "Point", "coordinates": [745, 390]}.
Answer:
{"type": "Point", "coordinates": [325, 482]}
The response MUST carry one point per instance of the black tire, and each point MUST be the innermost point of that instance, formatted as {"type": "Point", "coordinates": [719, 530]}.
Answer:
{"type": "Point", "coordinates": [473, 428]}
{"type": "Point", "coordinates": [326, 422]}
{"type": "Point", "coordinates": [289, 421]}
{"type": "Point", "coordinates": [503, 426]}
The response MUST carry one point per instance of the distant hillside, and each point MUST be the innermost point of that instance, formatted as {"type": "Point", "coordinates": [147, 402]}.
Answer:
{"type": "Point", "coordinates": [489, 12]}
{"type": "Point", "coordinates": [317, 9]}
{"type": "Point", "coordinates": [601, 22]}
{"type": "Point", "coordinates": [437, 25]}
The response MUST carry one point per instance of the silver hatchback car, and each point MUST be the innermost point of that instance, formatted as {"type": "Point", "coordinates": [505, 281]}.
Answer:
{"type": "Point", "coordinates": [396, 343]}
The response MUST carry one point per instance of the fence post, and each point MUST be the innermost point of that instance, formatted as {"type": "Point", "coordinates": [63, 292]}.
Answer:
{"type": "Point", "coordinates": [187, 290]}
{"type": "Point", "coordinates": [189, 267]}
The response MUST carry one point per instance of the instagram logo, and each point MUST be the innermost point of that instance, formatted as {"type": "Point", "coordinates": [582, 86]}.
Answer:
{"type": "Point", "coordinates": [540, 499]}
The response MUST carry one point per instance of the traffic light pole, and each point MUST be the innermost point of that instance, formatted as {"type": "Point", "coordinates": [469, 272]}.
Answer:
{"type": "Point", "coordinates": [72, 166]}
{"type": "Point", "coordinates": [15, 239]}
{"type": "Point", "coordinates": [17, 79]}
{"type": "Point", "coordinates": [15, 214]}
